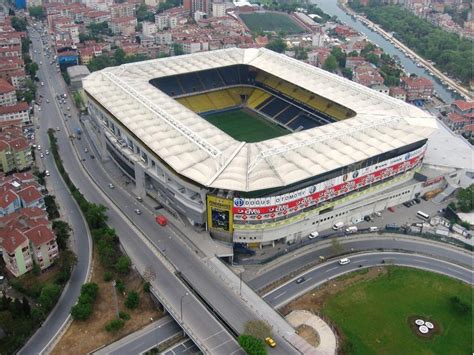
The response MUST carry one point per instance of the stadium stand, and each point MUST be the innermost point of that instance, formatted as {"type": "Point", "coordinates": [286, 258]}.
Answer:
{"type": "Point", "coordinates": [256, 98]}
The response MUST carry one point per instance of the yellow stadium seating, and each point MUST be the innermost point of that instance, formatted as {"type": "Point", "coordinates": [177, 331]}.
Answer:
{"type": "Point", "coordinates": [257, 97]}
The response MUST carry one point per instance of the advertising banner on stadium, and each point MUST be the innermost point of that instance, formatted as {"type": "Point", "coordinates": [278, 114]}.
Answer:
{"type": "Point", "coordinates": [219, 213]}
{"type": "Point", "coordinates": [272, 207]}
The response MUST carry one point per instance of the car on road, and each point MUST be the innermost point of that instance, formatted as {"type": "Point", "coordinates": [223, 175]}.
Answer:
{"type": "Point", "coordinates": [86, 150]}
{"type": "Point", "coordinates": [344, 261]}
{"type": "Point", "coordinates": [313, 235]}
{"type": "Point", "coordinates": [68, 108]}
{"type": "Point", "coordinates": [378, 214]}
{"type": "Point", "coordinates": [373, 229]}
{"type": "Point", "coordinates": [111, 186]}
{"type": "Point", "coordinates": [41, 155]}
{"type": "Point", "coordinates": [270, 342]}
{"type": "Point", "coordinates": [42, 83]}
{"type": "Point", "coordinates": [137, 211]}
{"type": "Point", "coordinates": [47, 101]}
{"type": "Point", "coordinates": [46, 152]}
{"type": "Point", "coordinates": [47, 173]}
{"type": "Point", "coordinates": [58, 129]}
{"type": "Point", "coordinates": [300, 280]}
{"type": "Point", "coordinates": [92, 156]}
{"type": "Point", "coordinates": [139, 199]}
{"type": "Point", "coordinates": [39, 147]}
{"type": "Point", "coordinates": [338, 226]}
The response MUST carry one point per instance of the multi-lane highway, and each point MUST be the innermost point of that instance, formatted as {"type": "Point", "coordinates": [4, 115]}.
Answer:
{"type": "Point", "coordinates": [413, 245]}
{"type": "Point", "coordinates": [331, 269]}
{"type": "Point", "coordinates": [80, 242]}
{"type": "Point", "coordinates": [212, 338]}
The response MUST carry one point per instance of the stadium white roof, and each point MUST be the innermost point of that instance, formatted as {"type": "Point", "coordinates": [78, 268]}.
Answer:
{"type": "Point", "coordinates": [201, 152]}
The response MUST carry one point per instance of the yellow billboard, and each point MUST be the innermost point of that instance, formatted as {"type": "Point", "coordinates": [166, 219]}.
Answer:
{"type": "Point", "coordinates": [219, 213]}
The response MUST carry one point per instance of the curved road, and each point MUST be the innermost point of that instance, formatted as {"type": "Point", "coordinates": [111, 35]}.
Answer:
{"type": "Point", "coordinates": [331, 269]}
{"type": "Point", "coordinates": [80, 234]}
{"type": "Point", "coordinates": [426, 247]}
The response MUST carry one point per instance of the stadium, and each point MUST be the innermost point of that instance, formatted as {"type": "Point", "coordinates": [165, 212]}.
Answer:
{"type": "Point", "coordinates": [255, 146]}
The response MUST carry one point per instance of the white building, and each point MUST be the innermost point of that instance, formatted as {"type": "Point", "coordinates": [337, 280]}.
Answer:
{"type": "Point", "coordinates": [149, 28]}
{"type": "Point", "coordinates": [7, 93]}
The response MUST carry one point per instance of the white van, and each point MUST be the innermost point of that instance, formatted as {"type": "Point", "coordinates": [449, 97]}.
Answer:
{"type": "Point", "coordinates": [338, 226]}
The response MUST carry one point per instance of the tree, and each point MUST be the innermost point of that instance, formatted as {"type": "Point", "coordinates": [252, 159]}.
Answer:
{"type": "Point", "coordinates": [146, 287]}
{"type": "Point", "coordinates": [133, 300]}
{"type": "Point", "coordinates": [91, 289]}
{"type": "Point", "coordinates": [142, 14]}
{"type": "Point", "coordinates": [340, 56]}
{"type": "Point", "coordinates": [51, 207]}
{"type": "Point", "coordinates": [347, 72]}
{"type": "Point", "coordinates": [26, 307]}
{"type": "Point", "coordinates": [258, 329]}
{"type": "Point", "coordinates": [114, 325]}
{"type": "Point", "coordinates": [16, 308]}
{"type": "Point", "coordinates": [251, 345]}
{"type": "Point", "coordinates": [81, 311]}
{"type": "Point", "coordinates": [277, 45]}
{"type": "Point", "coordinates": [62, 231]}
{"type": "Point", "coordinates": [178, 49]}
{"type": "Point", "coordinates": [336, 246]}
{"type": "Point", "coordinates": [123, 264]}
{"type": "Point", "coordinates": [18, 24]}
{"type": "Point", "coordinates": [95, 215]}
{"type": "Point", "coordinates": [49, 296]}
{"type": "Point", "coordinates": [465, 199]}
{"type": "Point", "coordinates": [330, 64]}
{"type": "Point", "coordinates": [36, 12]}
{"type": "Point", "coordinates": [119, 56]}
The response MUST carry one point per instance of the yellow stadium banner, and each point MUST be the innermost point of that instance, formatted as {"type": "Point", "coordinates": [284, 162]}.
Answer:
{"type": "Point", "coordinates": [219, 213]}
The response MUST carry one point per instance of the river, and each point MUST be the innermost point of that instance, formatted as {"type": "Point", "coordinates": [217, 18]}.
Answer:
{"type": "Point", "coordinates": [331, 8]}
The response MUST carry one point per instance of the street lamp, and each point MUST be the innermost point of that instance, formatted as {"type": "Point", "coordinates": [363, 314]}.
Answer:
{"type": "Point", "coordinates": [182, 297]}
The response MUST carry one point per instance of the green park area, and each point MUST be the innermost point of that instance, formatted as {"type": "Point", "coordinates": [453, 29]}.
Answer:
{"type": "Point", "coordinates": [271, 22]}
{"type": "Point", "coordinates": [375, 316]}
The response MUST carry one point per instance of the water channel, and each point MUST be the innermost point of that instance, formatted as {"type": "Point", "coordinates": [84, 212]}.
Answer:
{"type": "Point", "coordinates": [331, 8]}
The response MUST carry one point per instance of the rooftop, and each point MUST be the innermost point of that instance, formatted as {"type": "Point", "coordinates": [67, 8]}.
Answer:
{"type": "Point", "coordinates": [201, 152]}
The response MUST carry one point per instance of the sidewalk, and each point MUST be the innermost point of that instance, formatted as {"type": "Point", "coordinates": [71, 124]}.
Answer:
{"type": "Point", "coordinates": [327, 338]}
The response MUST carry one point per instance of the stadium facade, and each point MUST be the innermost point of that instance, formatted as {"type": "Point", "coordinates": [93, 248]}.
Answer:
{"type": "Point", "coordinates": [342, 150]}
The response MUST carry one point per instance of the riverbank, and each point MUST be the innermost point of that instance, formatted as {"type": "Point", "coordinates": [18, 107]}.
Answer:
{"type": "Point", "coordinates": [425, 63]}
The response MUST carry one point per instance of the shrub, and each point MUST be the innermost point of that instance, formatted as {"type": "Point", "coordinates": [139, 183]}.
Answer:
{"type": "Point", "coordinates": [108, 276]}
{"type": "Point", "coordinates": [252, 345]}
{"type": "Point", "coordinates": [49, 296]}
{"type": "Point", "coordinates": [123, 264]}
{"type": "Point", "coordinates": [81, 311]}
{"type": "Point", "coordinates": [124, 315]}
{"type": "Point", "coordinates": [459, 306]}
{"type": "Point", "coordinates": [120, 286]}
{"type": "Point", "coordinates": [132, 300]}
{"type": "Point", "coordinates": [91, 289]}
{"type": "Point", "coordinates": [146, 287]}
{"type": "Point", "coordinates": [114, 325]}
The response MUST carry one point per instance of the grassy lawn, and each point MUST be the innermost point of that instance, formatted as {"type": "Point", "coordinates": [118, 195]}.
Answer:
{"type": "Point", "coordinates": [245, 126]}
{"type": "Point", "coordinates": [372, 315]}
{"type": "Point", "coordinates": [270, 21]}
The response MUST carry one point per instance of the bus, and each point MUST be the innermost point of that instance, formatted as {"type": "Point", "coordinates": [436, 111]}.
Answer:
{"type": "Point", "coordinates": [423, 215]}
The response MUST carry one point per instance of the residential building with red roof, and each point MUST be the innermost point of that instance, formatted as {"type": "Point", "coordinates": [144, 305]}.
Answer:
{"type": "Point", "coordinates": [460, 119]}
{"type": "Point", "coordinates": [7, 93]}
{"type": "Point", "coordinates": [398, 93]}
{"type": "Point", "coordinates": [26, 235]}
{"type": "Point", "coordinates": [123, 25]}
{"type": "Point", "coordinates": [417, 88]}
{"type": "Point", "coordinates": [15, 112]}
{"type": "Point", "coordinates": [15, 151]}
{"type": "Point", "coordinates": [367, 75]}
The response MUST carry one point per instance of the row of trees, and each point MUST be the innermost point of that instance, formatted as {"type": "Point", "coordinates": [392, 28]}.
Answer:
{"type": "Point", "coordinates": [118, 58]}
{"type": "Point", "coordinates": [450, 52]}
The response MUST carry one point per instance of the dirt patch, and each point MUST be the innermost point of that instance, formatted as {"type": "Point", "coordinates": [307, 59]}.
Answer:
{"type": "Point", "coordinates": [313, 300]}
{"type": "Point", "coordinates": [309, 334]}
{"type": "Point", "coordinates": [415, 329]}
{"type": "Point", "coordinates": [84, 336]}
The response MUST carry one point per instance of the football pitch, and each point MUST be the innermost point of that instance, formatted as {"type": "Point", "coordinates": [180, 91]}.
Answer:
{"type": "Point", "coordinates": [244, 125]}
{"type": "Point", "coordinates": [271, 21]}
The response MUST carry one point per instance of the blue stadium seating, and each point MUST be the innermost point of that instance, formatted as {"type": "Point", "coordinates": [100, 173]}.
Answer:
{"type": "Point", "coordinates": [210, 79]}
{"type": "Point", "coordinates": [287, 115]}
{"type": "Point", "coordinates": [274, 106]}
{"type": "Point", "coordinates": [190, 83]}
{"type": "Point", "coordinates": [168, 84]}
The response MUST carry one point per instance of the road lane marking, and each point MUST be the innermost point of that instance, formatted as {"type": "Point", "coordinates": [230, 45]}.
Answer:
{"type": "Point", "coordinates": [281, 294]}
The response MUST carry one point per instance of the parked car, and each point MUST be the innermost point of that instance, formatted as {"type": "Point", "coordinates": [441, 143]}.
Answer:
{"type": "Point", "coordinates": [270, 342]}
{"type": "Point", "coordinates": [111, 186]}
{"type": "Point", "coordinates": [137, 211]}
{"type": "Point", "coordinates": [313, 235]}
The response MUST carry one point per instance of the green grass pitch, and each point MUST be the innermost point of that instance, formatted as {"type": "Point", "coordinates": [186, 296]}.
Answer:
{"type": "Point", "coordinates": [373, 315]}
{"type": "Point", "coordinates": [244, 125]}
{"type": "Point", "coordinates": [270, 21]}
